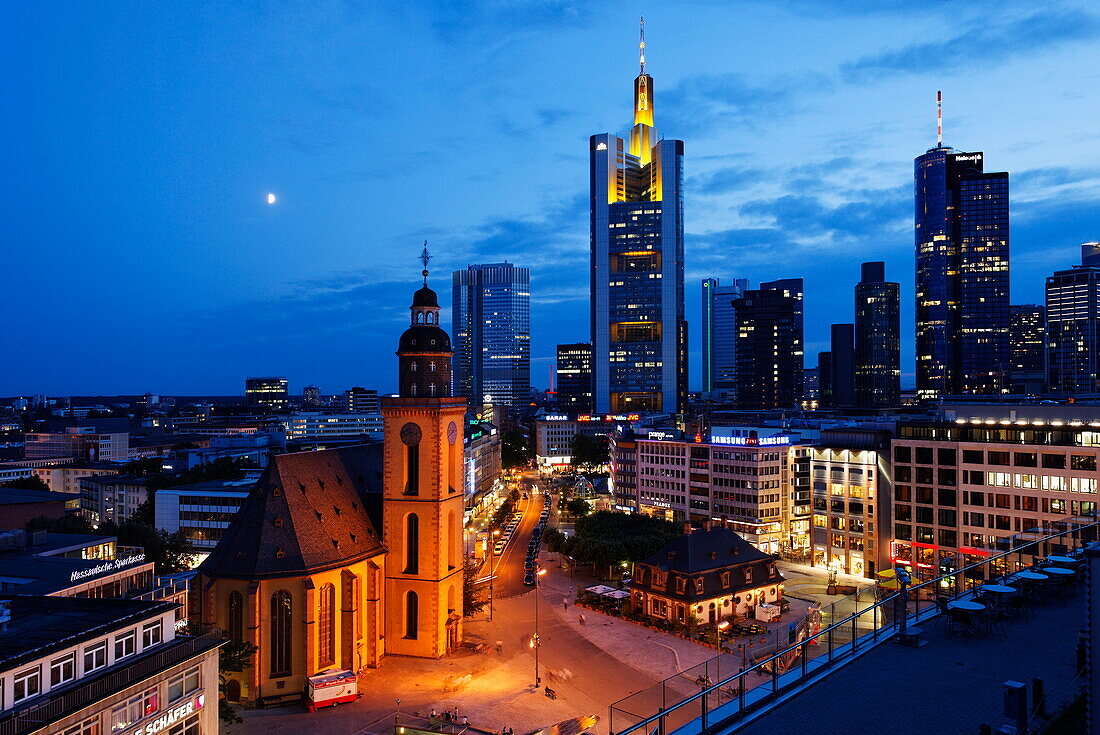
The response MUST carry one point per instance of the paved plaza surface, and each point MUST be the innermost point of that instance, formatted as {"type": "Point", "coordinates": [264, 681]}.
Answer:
{"type": "Point", "coordinates": [608, 659]}
{"type": "Point", "coordinates": [950, 686]}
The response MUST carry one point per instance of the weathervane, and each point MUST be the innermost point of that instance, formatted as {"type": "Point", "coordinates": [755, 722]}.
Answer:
{"type": "Point", "coordinates": [425, 256]}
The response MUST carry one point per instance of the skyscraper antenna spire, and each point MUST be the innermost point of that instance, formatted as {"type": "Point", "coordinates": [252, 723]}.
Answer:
{"type": "Point", "coordinates": [641, 42]}
{"type": "Point", "coordinates": [939, 118]}
{"type": "Point", "coordinates": [425, 256]}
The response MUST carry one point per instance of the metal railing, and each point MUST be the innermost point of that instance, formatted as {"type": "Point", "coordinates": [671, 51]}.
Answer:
{"type": "Point", "coordinates": [706, 705]}
{"type": "Point", "coordinates": [51, 708]}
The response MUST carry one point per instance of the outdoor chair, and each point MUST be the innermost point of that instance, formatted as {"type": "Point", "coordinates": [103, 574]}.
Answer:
{"type": "Point", "coordinates": [944, 612]}
{"type": "Point", "coordinates": [958, 621]}
{"type": "Point", "coordinates": [1017, 607]}
{"type": "Point", "coordinates": [990, 621]}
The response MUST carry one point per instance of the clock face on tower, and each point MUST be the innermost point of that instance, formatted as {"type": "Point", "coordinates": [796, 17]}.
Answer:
{"type": "Point", "coordinates": [411, 434]}
{"type": "Point", "coordinates": [452, 432]}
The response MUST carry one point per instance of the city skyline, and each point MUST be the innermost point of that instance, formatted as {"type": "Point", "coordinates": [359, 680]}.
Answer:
{"type": "Point", "coordinates": [151, 164]}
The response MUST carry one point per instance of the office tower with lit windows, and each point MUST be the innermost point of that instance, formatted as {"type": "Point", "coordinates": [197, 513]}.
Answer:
{"type": "Point", "coordinates": [269, 392]}
{"type": "Point", "coordinates": [491, 313]}
{"type": "Point", "coordinates": [1073, 325]}
{"type": "Point", "coordinates": [1028, 338]}
{"type": "Point", "coordinates": [878, 338]}
{"type": "Point", "coordinates": [639, 332]}
{"type": "Point", "coordinates": [720, 337]}
{"type": "Point", "coordinates": [573, 375]}
{"type": "Point", "coordinates": [769, 345]}
{"type": "Point", "coordinates": [962, 248]}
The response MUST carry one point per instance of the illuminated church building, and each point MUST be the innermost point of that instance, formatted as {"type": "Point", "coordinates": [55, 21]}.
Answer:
{"type": "Point", "coordinates": [339, 557]}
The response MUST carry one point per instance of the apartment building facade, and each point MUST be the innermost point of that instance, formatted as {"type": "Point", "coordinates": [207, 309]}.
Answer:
{"type": "Point", "coordinates": [757, 485]}
{"type": "Point", "coordinates": [852, 492]}
{"type": "Point", "coordinates": [963, 488]}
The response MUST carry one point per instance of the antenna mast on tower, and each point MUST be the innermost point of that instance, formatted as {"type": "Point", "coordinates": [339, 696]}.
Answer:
{"type": "Point", "coordinates": [641, 43]}
{"type": "Point", "coordinates": [939, 118]}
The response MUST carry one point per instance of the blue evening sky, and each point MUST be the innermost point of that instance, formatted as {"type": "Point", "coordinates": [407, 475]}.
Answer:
{"type": "Point", "coordinates": [142, 139]}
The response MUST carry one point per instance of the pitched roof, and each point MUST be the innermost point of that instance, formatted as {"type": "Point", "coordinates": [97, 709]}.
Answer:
{"type": "Point", "coordinates": [700, 551]}
{"type": "Point", "coordinates": [320, 509]}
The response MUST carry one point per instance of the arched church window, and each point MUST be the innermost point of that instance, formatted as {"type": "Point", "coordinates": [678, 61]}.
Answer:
{"type": "Point", "coordinates": [412, 544]}
{"type": "Point", "coordinates": [326, 631]}
{"type": "Point", "coordinates": [236, 616]}
{"type": "Point", "coordinates": [281, 632]}
{"type": "Point", "coordinates": [412, 615]}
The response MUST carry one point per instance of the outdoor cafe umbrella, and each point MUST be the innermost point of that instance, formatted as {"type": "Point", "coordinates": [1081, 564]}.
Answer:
{"type": "Point", "coordinates": [885, 573]}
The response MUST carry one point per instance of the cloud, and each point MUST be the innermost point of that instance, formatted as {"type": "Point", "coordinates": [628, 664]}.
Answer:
{"type": "Point", "coordinates": [981, 46]}
{"type": "Point", "coordinates": [702, 102]}
{"type": "Point", "coordinates": [727, 179]}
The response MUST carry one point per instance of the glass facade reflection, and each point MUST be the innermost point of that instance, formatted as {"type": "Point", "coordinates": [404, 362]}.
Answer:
{"type": "Point", "coordinates": [878, 339]}
{"type": "Point", "coordinates": [720, 337]}
{"type": "Point", "coordinates": [574, 378]}
{"type": "Point", "coordinates": [1073, 325]}
{"type": "Point", "coordinates": [492, 334]}
{"type": "Point", "coordinates": [962, 247]}
{"type": "Point", "coordinates": [639, 333]}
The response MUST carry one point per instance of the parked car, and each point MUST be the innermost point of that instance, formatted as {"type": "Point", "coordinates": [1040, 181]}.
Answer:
{"type": "Point", "coordinates": [529, 579]}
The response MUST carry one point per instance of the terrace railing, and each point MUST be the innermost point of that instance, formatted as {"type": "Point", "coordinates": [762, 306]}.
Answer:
{"type": "Point", "coordinates": [707, 700]}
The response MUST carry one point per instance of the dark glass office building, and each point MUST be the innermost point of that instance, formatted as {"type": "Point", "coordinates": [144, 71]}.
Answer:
{"type": "Point", "coordinates": [1028, 338]}
{"type": "Point", "coordinates": [492, 335]}
{"type": "Point", "coordinates": [639, 333]}
{"type": "Point", "coordinates": [1073, 325]}
{"type": "Point", "coordinates": [962, 247]}
{"type": "Point", "coordinates": [720, 337]}
{"type": "Point", "coordinates": [574, 377]}
{"type": "Point", "coordinates": [769, 345]}
{"type": "Point", "coordinates": [878, 338]}
{"type": "Point", "coordinates": [842, 351]}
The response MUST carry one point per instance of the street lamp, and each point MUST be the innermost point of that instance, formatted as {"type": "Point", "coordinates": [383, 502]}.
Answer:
{"type": "Point", "coordinates": [492, 571]}
{"type": "Point", "coordinates": [718, 634]}
{"type": "Point", "coordinates": [535, 643]}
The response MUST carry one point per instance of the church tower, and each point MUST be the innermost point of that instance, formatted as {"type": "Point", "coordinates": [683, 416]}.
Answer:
{"type": "Point", "coordinates": [422, 489]}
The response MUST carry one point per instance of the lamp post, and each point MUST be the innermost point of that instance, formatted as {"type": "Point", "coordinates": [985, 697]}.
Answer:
{"type": "Point", "coordinates": [492, 570]}
{"type": "Point", "coordinates": [535, 642]}
{"type": "Point", "coordinates": [718, 634]}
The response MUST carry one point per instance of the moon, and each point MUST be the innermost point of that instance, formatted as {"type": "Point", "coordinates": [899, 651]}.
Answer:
{"type": "Point", "coordinates": [270, 198]}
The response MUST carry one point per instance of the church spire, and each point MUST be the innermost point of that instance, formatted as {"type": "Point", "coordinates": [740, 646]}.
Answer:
{"type": "Point", "coordinates": [425, 256]}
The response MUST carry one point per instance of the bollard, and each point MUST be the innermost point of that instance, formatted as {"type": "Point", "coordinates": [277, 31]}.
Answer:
{"type": "Point", "coordinates": [1038, 698]}
{"type": "Point", "coordinates": [1015, 703]}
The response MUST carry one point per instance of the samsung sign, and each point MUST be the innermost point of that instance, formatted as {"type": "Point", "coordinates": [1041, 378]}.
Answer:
{"type": "Point", "coordinates": [752, 441]}
{"type": "Point", "coordinates": [107, 566]}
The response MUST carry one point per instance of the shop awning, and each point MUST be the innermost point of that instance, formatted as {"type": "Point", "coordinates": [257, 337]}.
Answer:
{"type": "Point", "coordinates": [617, 594]}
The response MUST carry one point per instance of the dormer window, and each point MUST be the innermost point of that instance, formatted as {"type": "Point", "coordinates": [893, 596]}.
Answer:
{"type": "Point", "coordinates": [748, 575]}
{"type": "Point", "coordinates": [725, 579]}
{"type": "Point", "coordinates": [681, 583]}
{"type": "Point", "coordinates": [699, 586]}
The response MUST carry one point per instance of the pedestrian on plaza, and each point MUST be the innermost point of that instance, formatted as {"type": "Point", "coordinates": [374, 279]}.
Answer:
{"type": "Point", "coordinates": [465, 720]}
{"type": "Point", "coordinates": [456, 714]}
{"type": "Point", "coordinates": [581, 619]}
{"type": "Point", "coordinates": [565, 603]}
{"type": "Point", "coordinates": [433, 715]}
{"type": "Point", "coordinates": [500, 646]}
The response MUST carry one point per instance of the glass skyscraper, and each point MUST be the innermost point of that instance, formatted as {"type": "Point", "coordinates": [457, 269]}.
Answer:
{"type": "Point", "coordinates": [1073, 325]}
{"type": "Point", "coordinates": [769, 345]}
{"type": "Point", "coordinates": [639, 333]}
{"type": "Point", "coordinates": [720, 337]}
{"type": "Point", "coordinates": [574, 377]}
{"type": "Point", "coordinates": [962, 246]}
{"type": "Point", "coordinates": [492, 335]}
{"type": "Point", "coordinates": [1028, 337]}
{"type": "Point", "coordinates": [878, 338]}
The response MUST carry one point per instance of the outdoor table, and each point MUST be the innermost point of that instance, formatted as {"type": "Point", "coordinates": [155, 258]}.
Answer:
{"type": "Point", "coordinates": [1062, 559]}
{"type": "Point", "coordinates": [965, 605]}
{"type": "Point", "coordinates": [998, 589]}
{"type": "Point", "coordinates": [1058, 570]}
{"type": "Point", "coordinates": [1032, 576]}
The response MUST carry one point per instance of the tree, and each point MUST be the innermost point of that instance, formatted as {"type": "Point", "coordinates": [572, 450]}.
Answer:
{"type": "Point", "coordinates": [474, 596]}
{"type": "Point", "coordinates": [578, 507]}
{"type": "Point", "coordinates": [233, 656]}
{"type": "Point", "coordinates": [590, 451]}
{"type": "Point", "coordinates": [553, 538]}
{"type": "Point", "coordinates": [515, 449]}
{"type": "Point", "coordinates": [34, 482]}
{"type": "Point", "coordinates": [608, 538]}
{"type": "Point", "coordinates": [69, 523]}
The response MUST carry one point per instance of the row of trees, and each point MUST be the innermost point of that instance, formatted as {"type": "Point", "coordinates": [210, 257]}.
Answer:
{"type": "Point", "coordinates": [609, 539]}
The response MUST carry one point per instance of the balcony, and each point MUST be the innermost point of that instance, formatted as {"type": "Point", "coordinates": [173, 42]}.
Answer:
{"type": "Point", "coordinates": [53, 706]}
